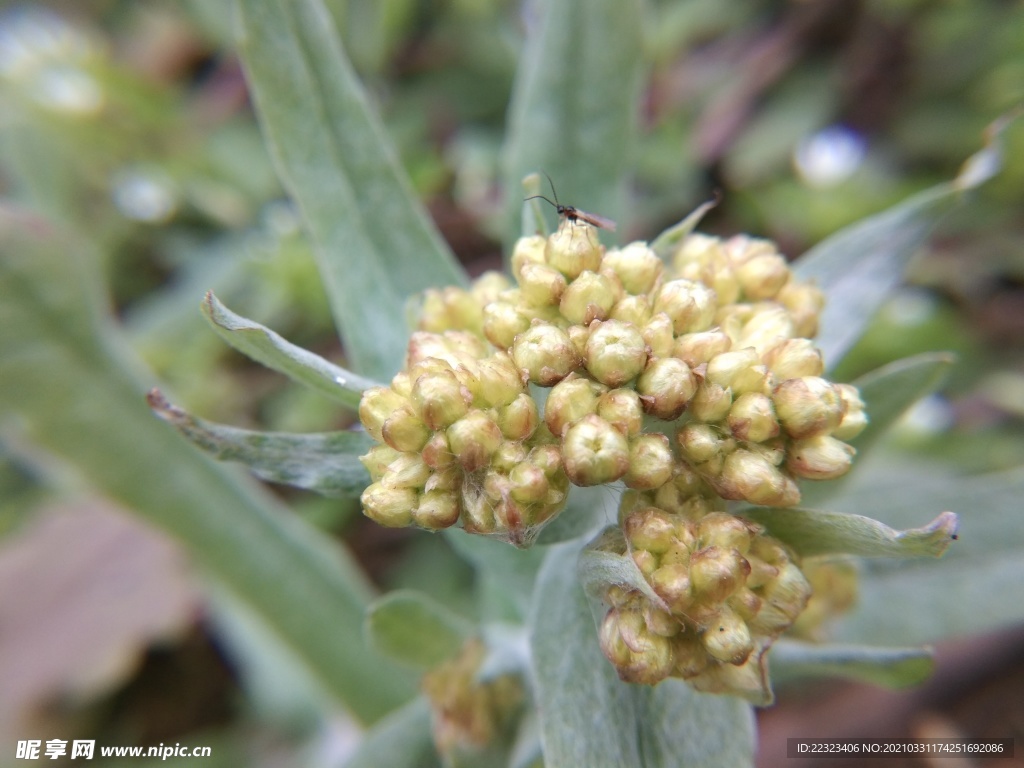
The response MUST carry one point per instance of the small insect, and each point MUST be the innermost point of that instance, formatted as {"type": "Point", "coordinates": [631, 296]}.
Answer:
{"type": "Point", "coordinates": [572, 213]}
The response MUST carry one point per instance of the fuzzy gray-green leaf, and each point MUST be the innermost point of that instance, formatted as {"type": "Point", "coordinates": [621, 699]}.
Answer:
{"type": "Point", "coordinates": [415, 629]}
{"type": "Point", "coordinates": [889, 667]}
{"type": "Point", "coordinates": [327, 462]}
{"type": "Point", "coordinates": [266, 347]}
{"type": "Point", "coordinates": [401, 740]}
{"type": "Point", "coordinates": [811, 532]}
{"type": "Point", "coordinates": [374, 242]}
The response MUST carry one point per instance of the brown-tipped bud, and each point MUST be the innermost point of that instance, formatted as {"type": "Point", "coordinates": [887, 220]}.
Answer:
{"type": "Point", "coordinates": [638, 655]}
{"type": "Point", "coordinates": [569, 401]}
{"type": "Point", "coordinates": [544, 354]}
{"type": "Point", "coordinates": [750, 476]}
{"type": "Point", "coordinates": [701, 443]}
{"type": "Point", "coordinates": [804, 303]}
{"type": "Point", "coordinates": [763, 276]}
{"type": "Point", "coordinates": [698, 348]}
{"type": "Point", "coordinates": [377, 459]}
{"type": "Point", "coordinates": [473, 439]}
{"type": "Point", "coordinates": [390, 507]}
{"type": "Point", "coordinates": [717, 572]}
{"type": "Point", "coordinates": [691, 656]}
{"type": "Point", "coordinates": [437, 510]}
{"type": "Point", "coordinates": [650, 462]}
{"type": "Point", "coordinates": [740, 371]}
{"type": "Point", "coordinates": [728, 638]}
{"type": "Point", "coordinates": [711, 403]}
{"type": "Point", "coordinates": [658, 335]}
{"type": "Point", "coordinates": [589, 297]}
{"type": "Point", "coordinates": [766, 329]}
{"type": "Point", "coordinates": [745, 602]}
{"type": "Point", "coordinates": [691, 306]}
{"type": "Point", "coordinates": [808, 406]}
{"type": "Point", "coordinates": [529, 483]}
{"type": "Point", "coordinates": [440, 399]}
{"type": "Point", "coordinates": [498, 380]}
{"type": "Point", "coordinates": [594, 452]}
{"type": "Point", "coordinates": [578, 335]}
{"type": "Point", "coordinates": [375, 406]}
{"type": "Point", "coordinates": [632, 309]}
{"type": "Point", "coordinates": [507, 456]}
{"type": "Point", "coordinates": [615, 352]}
{"type": "Point", "coordinates": [784, 597]}
{"type": "Point", "coordinates": [401, 384]}
{"type": "Point", "coordinates": [403, 430]}
{"type": "Point", "coordinates": [665, 387]}
{"type": "Point", "coordinates": [623, 410]}
{"type": "Point", "coordinates": [548, 458]}
{"type": "Point", "coordinates": [519, 419]}
{"type": "Point", "coordinates": [649, 529]}
{"type": "Point", "coordinates": [721, 529]}
{"type": "Point", "coordinates": [672, 584]}
{"type": "Point", "coordinates": [541, 285]}
{"type": "Point", "coordinates": [855, 418]}
{"type": "Point", "coordinates": [573, 250]}
{"type": "Point", "coordinates": [408, 470]}
{"type": "Point", "coordinates": [637, 266]}
{"type": "Point", "coordinates": [752, 418]}
{"type": "Point", "coordinates": [646, 562]}
{"type": "Point", "coordinates": [447, 479]}
{"type": "Point", "coordinates": [527, 250]}
{"type": "Point", "coordinates": [661, 622]}
{"type": "Point", "coordinates": [819, 458]}
{"type": "Point", "coordinates": [502, 322]}
{"type": "Point", "coordinates": [436, 452]}
{"type": "Point", "coordinates": [794, 358]}
{"type": "Point", "coordinates": [478, 510]}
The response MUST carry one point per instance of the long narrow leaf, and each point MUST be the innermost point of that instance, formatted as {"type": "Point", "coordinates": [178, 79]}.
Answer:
{"type": "Point", "coordinates": [266, 347]}
{"type": "Point", "coordinates": [74, 387]}
{"type": "Point", "coordinates": [890, 667]}
{"type": "Point", "coordinates": [412, 628]}
{"type": "Point", "coordinates": [575, 103]}
{"type": "Point", "coordinates": [375, 244]}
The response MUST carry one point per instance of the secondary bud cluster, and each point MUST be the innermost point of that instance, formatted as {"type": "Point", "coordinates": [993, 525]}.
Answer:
{"type": "Point", "coordinates": [461, 440]}
{"type": "Point", "coordinates": [724, 591]}
{"type": "Point", "coordinates": [469, 715]}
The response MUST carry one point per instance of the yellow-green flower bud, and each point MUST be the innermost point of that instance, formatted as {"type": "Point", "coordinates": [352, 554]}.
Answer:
{"type": "Point", "coordinates": [632, 309]}
{"type": "Point", "coordinates": [377, 459]}
{"type": "Point", "coordinates": [587, 298]}
{"type": "Point", "coordinates": [529, 483]}
{"type": "Point", "coordinates": [763, 276]}
{"type": "Point", "coordinates": [436, 452]}
{"type": "Point", "coordinates": [527, 250]}
{"type": "Point", "coordinates": [578, 335]}
{"type": "Point", "coordinates": [615, 352]}
{"type": "Point", "coordinates": [409, 470]}
{"type": "Point", "coordinates": [728, 638]}
{"type": "Point", "coordinates": [507, 456]}
{"type": "Point", "coordinates": [473, 439]}
{"type": "Point", "coordinates": [594, 452]}
{"type": "Point", "coordinates": [784, 597]}
{"type": "Point", "coordinates": [403, 430]}
{"type": "Point", "coordinates": [750, 476]}
{"type": "Point", "coordinates": [503, 320]}
{"type": "Point", "coordinates": [646, 562]}
{"type": "Point", "coordinates": [544, 354]}
{"type": "Point", "coordinates": [548, 458]}
{"type": "Point", "coordinates": [623, 410]}
{"type": "Point", "coordinates": [637, 266]}
{"type": "Point", "coordinates": [519, 419]}
{"type": "Point", "coordinates": [691, 306]}
{"type": "Point", "coordinates": [794, 358]}
{"type": "Point", "coordinates": [819, 458]}
{"type": "Point", "coordinates": [390, 507]}
{"type": "Point", "coordinates": [717, 572]}
{"type": "Point", "coordinates": [665, 387]}
{"type": "Point", "coordinates": [478, 510]}
{"type": "Point", "coordinates": [804, 303]}
{"type": "Point", "coordinates": [700, 442]}
{"type": "Point", "coordinates": [855, 418]}
{"type": "Point", "coordinates": [698, 348]}
{"type": "Point", "coordinates": [490, 285]}
{"type": "Point", "coordinates": [650, 462]}
{"type": "Point", "coordinates": [375, 406]}
{"type": "Point", "coordinates": [440, 399]}
{"type": "Point", "coordinates": [541, 285]}
{"type": "Point", "coordinates": [711, 402]}
{"type": "Point", "coordinates": [658, 335]}
{"type": "Point", "coordinates": [498, 381]}
{"type": "Point", "coordinates": [573, 250]}
{"type": "Point", "coordinates": [649, 529]}
{"type": "Point", "coordinates": [808, 406]}
{"type": "Point", "coordinates": [671, 583]}
{"type": "Point", "coordinates": [739, 370]}
{"type": "Point", "coordinates": [752, 418]}
{"type": "Point", "coordinates": [765, 329]}
{"type": "Point", "coordinates": [437, 510]}
{"type": "Point", "coordinates": [661, 622]}
{"type": "Point", "coordinates": [691, 656]}
{"type": "Point", "coordinates": [638, 655]}
{"type": "Point", "coordinates": [447, 479]}
{"type": "Point", "coordinates": [721, 529]}
{"type": "Point", "coordinates": [569, 401]}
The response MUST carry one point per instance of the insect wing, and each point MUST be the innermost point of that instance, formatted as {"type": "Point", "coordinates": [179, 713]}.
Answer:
{"type": "Point", "coordinates": [594, 220]}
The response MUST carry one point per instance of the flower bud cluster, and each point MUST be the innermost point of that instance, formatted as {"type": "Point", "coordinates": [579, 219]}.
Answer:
{"type": "Point", "coordinates": [724, 591]}
{"type": "Point", "coordinates": [461, 441]}
{"type": "Point", "coordinates": [468, 715]}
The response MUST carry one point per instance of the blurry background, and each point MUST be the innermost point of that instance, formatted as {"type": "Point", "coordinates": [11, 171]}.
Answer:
{"type": "Point", "coordinates": [126, 127]}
